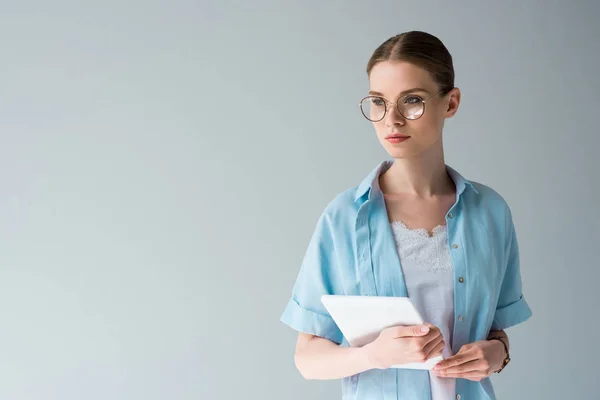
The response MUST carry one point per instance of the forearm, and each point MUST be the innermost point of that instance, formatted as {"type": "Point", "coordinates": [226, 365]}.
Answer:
{"type": "Point", "coordinates": [322, 359]}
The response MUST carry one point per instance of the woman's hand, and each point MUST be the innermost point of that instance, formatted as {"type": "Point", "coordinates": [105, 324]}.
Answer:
{"type": "Point", "coordinates": [404, 344]}
{"type": "Point", "coordinates": [474, 361]}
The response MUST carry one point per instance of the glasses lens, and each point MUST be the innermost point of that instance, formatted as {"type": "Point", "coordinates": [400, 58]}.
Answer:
{"type": "Point", "coordinates": [373, 108]}
{"type": "Point", "coordinates": [411, 107]}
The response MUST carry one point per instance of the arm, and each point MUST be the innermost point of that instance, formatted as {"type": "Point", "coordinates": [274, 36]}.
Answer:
{"type": "Point", "coordinates": [318, 355]}
{"type": "Point", "coordinates": [320, 358]}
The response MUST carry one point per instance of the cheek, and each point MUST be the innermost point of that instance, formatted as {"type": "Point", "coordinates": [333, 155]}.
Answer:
{"type": "Point", "coordinates": [426, 129]}
{"type": "Point", "coordinates": [429, 126]}
{"type": "Point", "coordinates": [380, 129]}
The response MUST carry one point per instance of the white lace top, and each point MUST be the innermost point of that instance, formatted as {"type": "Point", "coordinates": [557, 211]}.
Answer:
{"type": "Point", "coordinates": [429, 277]}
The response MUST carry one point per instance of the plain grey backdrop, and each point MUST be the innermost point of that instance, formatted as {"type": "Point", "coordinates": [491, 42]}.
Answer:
{"type": "Point", "coordinates": [163, 165]}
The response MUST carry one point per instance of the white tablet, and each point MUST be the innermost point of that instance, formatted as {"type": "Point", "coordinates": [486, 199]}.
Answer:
{"type": "Point", "coordinates": [362, 318]}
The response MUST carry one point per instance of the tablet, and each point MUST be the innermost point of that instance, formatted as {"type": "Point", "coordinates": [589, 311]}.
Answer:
{"type": "Point", "coordinates": [362, 318]}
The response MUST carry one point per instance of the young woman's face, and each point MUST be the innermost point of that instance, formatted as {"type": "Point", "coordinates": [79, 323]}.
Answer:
{"type": "Point", "coordinates": [392, 80]}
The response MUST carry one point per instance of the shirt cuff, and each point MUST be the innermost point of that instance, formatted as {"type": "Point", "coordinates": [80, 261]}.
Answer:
{"type": "Point", "coordinates": [303, 320]}
{"type": "Point", "coordinates": [511, 315]}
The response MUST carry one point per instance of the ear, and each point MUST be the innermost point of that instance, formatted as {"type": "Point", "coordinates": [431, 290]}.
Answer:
{"type": "Point", "coordinates": [453, 100]}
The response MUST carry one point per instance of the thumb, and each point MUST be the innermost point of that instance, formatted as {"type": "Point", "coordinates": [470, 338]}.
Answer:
{"type": "Point", "coordinates": [421, 330]}
{"type": "Point", "coordinates": [409, 331]}
{"type": "Point", "coordinates": [414, 330]}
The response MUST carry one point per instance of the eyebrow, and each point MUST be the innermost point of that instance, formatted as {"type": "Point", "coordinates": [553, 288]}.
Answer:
{"type": "Point", "coordinates": [401, 93]}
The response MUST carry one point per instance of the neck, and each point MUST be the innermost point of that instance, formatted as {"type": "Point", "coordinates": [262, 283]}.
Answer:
{"type": "Point", "coordinates": [423, 176]}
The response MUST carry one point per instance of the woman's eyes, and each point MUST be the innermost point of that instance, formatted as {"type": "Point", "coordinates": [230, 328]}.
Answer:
{"type": "Point", "coordinates": [412, 100]}
{"type": "Point", "coordinates": [406, 100]}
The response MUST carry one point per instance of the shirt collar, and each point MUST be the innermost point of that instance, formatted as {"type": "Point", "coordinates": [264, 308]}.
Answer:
{"type": "Point", "coordinates": [371, 183]}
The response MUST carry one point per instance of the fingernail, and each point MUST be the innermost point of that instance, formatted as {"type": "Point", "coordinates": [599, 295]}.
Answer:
{"type": "Point", "coordinates": [424, 329]}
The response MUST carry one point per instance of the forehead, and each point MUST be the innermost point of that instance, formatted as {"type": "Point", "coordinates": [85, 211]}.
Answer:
{"type": "Point", "coordinates": [391, 78]}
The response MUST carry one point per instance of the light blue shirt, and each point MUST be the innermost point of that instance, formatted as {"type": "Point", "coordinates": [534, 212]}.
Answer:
{"type": "Point", "coordinates": [353, 252]}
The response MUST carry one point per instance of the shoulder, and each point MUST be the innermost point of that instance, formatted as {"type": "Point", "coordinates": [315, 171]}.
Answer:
{"type": "Point", "coordinates": [343, 205]}
{"type": "Point", "coordinates": [492, 206]}
{"type": "Point", "coordinates": [490, 198]}
{"type": "Point", "coordinates": [339, 213]}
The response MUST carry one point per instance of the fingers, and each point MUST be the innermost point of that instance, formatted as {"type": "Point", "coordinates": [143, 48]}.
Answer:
{"type": "Point", "coordinates": [434, 348]}
{"type": "Point", "coordinates": [409, 331]}
{"type": "Point", "coordinates": [425, 329]}
{"type": "Point", "coordinates": [470, 368]}
{"type": "Point", "coordinates": [433, 330]}
{"type": "Point", "coordinates": [462, 357]}
{"type": "Point", "coordinates": [432, 338]}
{"type": "Point", "coordinates": [473, 376]}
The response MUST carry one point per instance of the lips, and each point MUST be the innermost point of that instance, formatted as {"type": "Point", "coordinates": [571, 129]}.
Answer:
{"type": "Point", "coordinates": [397, 136]}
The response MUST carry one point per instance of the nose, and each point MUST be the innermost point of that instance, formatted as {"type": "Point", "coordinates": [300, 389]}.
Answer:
{"type": "Point", "coordinates": [393, 116]}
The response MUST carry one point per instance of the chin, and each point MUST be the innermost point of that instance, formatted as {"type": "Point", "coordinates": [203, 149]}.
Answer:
{"type": "Point", "coordinates": [398, 151]}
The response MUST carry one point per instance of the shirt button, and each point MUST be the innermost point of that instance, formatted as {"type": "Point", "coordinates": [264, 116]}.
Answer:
{"type": "Point", "coordinates": [461, 280]}
{"type": "Point", "coordinates": [458, 397]}
{"type": "Point", "coordinates": [450, 215]}
{"type": "Point", "coordinates": [460, 317]}
{"type": "Point", "coordinates": [455, 246]}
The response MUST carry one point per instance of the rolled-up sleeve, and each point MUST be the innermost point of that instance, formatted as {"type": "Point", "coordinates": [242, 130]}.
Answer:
{"type": "Point", "coordinates": [512, 308]}
{"type": "Point", "coordinates": [319, 274]}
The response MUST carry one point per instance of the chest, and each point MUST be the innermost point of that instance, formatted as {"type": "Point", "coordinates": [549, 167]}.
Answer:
{"type": "Point", "coordinates": [472, 240]}
{"type": "Point", "coordinates": [418, 213]}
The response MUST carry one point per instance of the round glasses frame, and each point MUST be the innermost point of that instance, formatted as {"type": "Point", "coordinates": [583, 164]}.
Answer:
{"type": "Point", "coordinates": [397, 105]}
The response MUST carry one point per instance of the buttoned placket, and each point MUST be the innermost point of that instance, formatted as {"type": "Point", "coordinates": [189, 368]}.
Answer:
{"type": "Point", "coordinates": [366, 278]}
{"type": "Point", "coordinates": [460, 333]}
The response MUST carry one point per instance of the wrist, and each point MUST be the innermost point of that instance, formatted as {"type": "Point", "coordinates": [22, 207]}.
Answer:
{"type": "Point", "coordinates": [501, 338]}
{"type": "Point", "coordinates": [502, 352]}
{"type": "Point", "coordinates": [367, 356]}
{"type": "Point", "coordinates": [500, 349]}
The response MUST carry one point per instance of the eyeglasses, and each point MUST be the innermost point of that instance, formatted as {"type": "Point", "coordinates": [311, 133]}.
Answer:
{"type": "Point", "coordinates": [409, 106]}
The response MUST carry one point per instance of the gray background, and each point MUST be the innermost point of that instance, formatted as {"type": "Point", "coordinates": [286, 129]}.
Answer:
{"type": "Point", "coordinates": [163, 165]}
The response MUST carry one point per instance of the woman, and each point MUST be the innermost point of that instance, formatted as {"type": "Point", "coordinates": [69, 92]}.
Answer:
{"type": "Point", "coordinates": [415, 228]}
